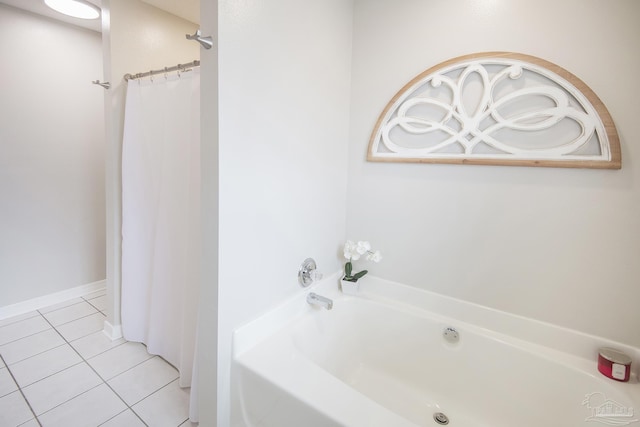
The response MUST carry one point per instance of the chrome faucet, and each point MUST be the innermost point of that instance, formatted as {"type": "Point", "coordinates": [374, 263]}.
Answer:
{"type": "Point", "coordinates": [319, 300]}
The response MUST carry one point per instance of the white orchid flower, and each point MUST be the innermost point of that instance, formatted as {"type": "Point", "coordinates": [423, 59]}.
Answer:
{"type": "Point", "coordinates": [374, 256]}
{"type": "Point", "coordinates": [350, 250]}
{"type": "Point", "coordinates": [363, 247]}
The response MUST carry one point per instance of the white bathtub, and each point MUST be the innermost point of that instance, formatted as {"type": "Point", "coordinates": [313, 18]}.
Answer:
{"type": "Point", "coordinates": [380, 359]}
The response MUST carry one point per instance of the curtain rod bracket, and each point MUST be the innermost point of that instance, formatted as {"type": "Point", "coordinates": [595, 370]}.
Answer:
{"type": "Point", "coordinates": [206, 42]}
{"type": "Point", "coordinates": [105, 85]}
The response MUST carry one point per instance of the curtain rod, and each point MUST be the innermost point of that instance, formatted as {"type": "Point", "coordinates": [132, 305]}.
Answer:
{"type": "Point", "coordinates": [179, 67]}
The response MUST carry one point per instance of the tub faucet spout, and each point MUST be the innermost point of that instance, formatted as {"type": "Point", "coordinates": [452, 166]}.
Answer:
{"type": "Point", "coordinates": [319, 300]}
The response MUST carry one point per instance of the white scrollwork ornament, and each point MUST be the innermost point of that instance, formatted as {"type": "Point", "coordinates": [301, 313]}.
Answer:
{"type": "Point", "coordinates": [497, 108]}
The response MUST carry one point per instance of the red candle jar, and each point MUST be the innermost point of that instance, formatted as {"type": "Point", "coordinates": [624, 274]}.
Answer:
{"type": "Point", "coordinates": [614, 364]}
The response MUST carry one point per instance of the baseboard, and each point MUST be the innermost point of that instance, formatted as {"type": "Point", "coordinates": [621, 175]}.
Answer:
{"type": "Point", "coordinates": [47, 300]}
{"type": "Point", "coordinates": [113, 332]}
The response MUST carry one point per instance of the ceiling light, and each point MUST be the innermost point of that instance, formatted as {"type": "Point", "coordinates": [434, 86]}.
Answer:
{"type": "Point", "coordinates": [77, 8]}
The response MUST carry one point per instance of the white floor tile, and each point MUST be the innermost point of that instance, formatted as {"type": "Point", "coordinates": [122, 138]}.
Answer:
{"type": "Point", "coordinates": [52, 391]}
{"type": "Point", "coordinates": [124, 419]}
{"type": "Point", "coordinates": [82, 327]}
{"type": "Point", "coordinates": [24, 328]}
{"type": "Point", "coordinates": [168, 407]}
{"type": "Point", "coordinates": [7, 385]}
{"type": "Point", "coordinates": [72, 312]}
{"type": "Point", "coordinates": [100, 302]}
{"type": "Point", "coordinates": [44, 364]}
{"type": "Point", "coordinates": [14, 410]}
{"type": "Point", "coordinates": [60, 305]}
{"type": "Point", "coordinates": [14, 319]}
{"type": "Point", "coordinates": [65, 390]}
{"type": "Point", "coordinates": [91, 408]}
{"type": "Point", "coordinates": [142, 380]}
{"type": "Point", "coordinates": [23, 348]}
{"type": "Point", "coordinates": [119, 359]}
{"type": "Point", "coordinates": [94, 344]}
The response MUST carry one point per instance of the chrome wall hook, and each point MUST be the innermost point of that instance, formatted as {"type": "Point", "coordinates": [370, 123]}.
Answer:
{"type": "Point", "coordinates": [206, 42]}
{"type": "Point", "coordinates": [105, 85]}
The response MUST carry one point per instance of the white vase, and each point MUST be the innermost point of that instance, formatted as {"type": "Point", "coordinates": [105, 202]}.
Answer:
{"type": "Point", "coordinates": [349, 288]}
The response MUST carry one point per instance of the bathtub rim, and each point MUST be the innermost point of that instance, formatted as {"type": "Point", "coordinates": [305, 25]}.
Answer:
{"type": "Point", "coordinates": [537, 337]}
{"type": "Point", "coordinates": [565, 340]}
{"type": "Point", "coordinates": [520, 328]}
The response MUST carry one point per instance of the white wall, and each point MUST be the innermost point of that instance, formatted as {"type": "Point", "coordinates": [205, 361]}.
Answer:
{"type": "Point", "coordinates": [138, 37]}
{"type": "Point", "coordinates": [557, 245]}
{"type": "Point", "coordinates": [207, 346]}
{"type": "Point", "coordinates": [284, 116]}
{"type": "Point", "coordinates": [51, 157]}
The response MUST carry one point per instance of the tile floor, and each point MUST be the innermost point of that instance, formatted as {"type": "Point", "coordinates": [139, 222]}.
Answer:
{"type": "Point", "coordinates": [58, 369]}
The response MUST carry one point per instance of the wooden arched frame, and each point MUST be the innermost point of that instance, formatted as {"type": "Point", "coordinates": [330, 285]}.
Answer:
{"type": "Point", "coordinates": [473, 137]}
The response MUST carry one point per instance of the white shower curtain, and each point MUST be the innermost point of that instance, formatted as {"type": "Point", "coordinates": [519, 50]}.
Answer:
{"type": "Point", "coordinates": [161, 218]}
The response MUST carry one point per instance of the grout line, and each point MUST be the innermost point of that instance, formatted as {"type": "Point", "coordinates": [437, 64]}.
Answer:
{"type": "Point", "coordinates": [26, 336]}
{"type": "Point", "coordinates": [21, 392]}
{"type": "Point", "coordinates": [153, 392]}
{"type": "Point", "coordinates": [96, 372]}
{"type": "Point", "coordinates": [97, 296]}
{"type": "Point", "coordinates": [50, 375]}
{"type": "Point", "coordinates": [39, 310]}
{"type": "Point", "coordinates": [117, 415]}
{"type": "Point", "coordinates": [157, 390]}
{"type": "Point", "coordinates": [97, 309]}
{"type": "Point", "coordinates": [71, 321]}
{"type": "Point", "coordinates": [71, 398]}
{"type": "Point", "coordinates": [7, 393]}
{"type": "Point", "coordinates": [80, 337]}
{"type": "Point", "coordinates": [30, 335]}
{"type": "Point", "coordinates": [20, 320]}
{"type": "Point", "coordinates": [134, 366]}
{"type": "Point", "coordinates": [37, 354]}
{"type": "Point", "coordinates": [102, 352]}
{"type": "Point", "coordinates": [79, 318]}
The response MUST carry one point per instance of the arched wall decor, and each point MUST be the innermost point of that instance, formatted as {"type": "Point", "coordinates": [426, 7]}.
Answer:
{"type": "Point", "coordinates": [497, 108]}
